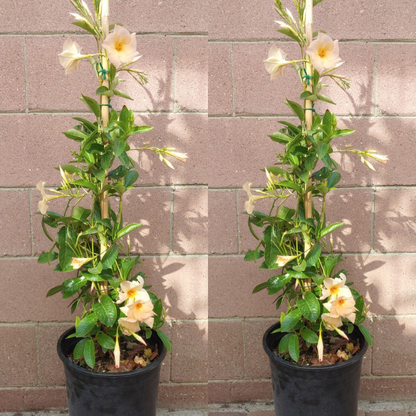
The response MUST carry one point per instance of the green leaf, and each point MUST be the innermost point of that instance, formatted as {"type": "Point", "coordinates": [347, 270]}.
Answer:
{"type": "Point", "coordinates": [127, 230]}
{"type": "Point", "coordinates": [293, 347]}
{"type": "Point", "coordinates": [92, 105]}
{"type": "Point", "coordinates": [291, 320]}
{"type": "Point", "coordinates": [130, 178]}
{"type": "Point", "coordinates": [309, 336]}
{"type": "Point", "coordinates": [106, 341]}
{"type": "Point", "coordinates": [322, 150]}
{"type": "Point", "coordinates": [54, 290]}
{"type": "Point", "coordinates": [280, 138]}
{"type": "Point", "coordinates": [110, 257]}
{"type": "Point", "coordinates": [79, 349]}
{"type": "Point", "coordinates": [296, 108]}
{"type": "Point", "coordinates": [66, 239]}
{"type": "Point", "coordinates": [285, 213]}
{"type": "Point", "coordinates": [260, 287]}
{"type": "Point", "coordinates": [331, 228]}
{"type": "Point", "coordinates": [284, 343]}
{"type": "Point", "coordinates": [271, 241]}
{"type": "Point", "coordinates": [333, 179]}
{"type": "Point", "coordinates": [85, 184]}
{"type": "Point", "coordinates": [101, 90]}
{"type": "Point", "coordinates": [366, 334]}
{"type": "Point", "coordinates": [140, 129]}
{"type": "Point", "coordinates": [87, 124]}
{"type": "Point", "coordinates": [81, 213]}
{"type": "Point", "coordinates": [47, 257]}
{"type": "Point", "coordinates": [309, 306]}
{"type": "Point", "coordinates": [85, 325]}
{"type": "Point", "coordinates": [310, 162]}
{"type": "Point", "coordinates": [313, 255]}
{"type": "Point", "coordinates": [291, 185]}
{"type": "Point", "coordinates": [106, 310]}
{"type": "Point", "coordinates": [74, 134]}
{"type": "Point", "coordinates": [84, 26]}
{"type": "Point", "coordinates": [289, 33]}
{"type": "Point", "coordinates": [254, 255]}
{"type": "Point", "coordinates": [315, 2]}
{"type": "Point", "coordinates": [277, 283]}
{"type": "Point", "coordinates": [344, 132]}
{"type": "Point", "coordinates": [89, 353]}
{"type": "Point", "coordinates": [305, 95]}
{"type": "Point", "coordinates": [324, 98]}
{"type": "Point", "coordinates": [122, 94]}
{"type": "Point", "coordinates": [119, 147]}
{"type": "Point", "coordinates": [71, 286]}
{"type": "Point", "coordinates": [165, 340]}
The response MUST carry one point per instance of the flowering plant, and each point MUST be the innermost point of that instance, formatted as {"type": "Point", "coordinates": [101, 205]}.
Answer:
{"type": "Point", "coordinates": [293, 231]}
{"type": "Point", "coordinates": [113, 300]}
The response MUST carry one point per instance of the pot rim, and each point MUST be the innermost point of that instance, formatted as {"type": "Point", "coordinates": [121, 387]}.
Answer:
{"type": "Point", "coordinates": [299, 367]}
{"type": "Point", "coordinates": [91, 373]}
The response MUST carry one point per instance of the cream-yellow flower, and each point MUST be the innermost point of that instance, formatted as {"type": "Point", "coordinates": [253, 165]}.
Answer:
{"type": "Point", "coordinates": [71, 56]}
{"type": "Point", "coordinates": [249, 205]}
{"type": "Point", "coordinates": [121, 46]}
{"type": "Point", "coordinates": [342, 306]}
{"type": "Point", "coordinates": [276, 62]}
{"type": "Point", "coordinates": [77, 262]}
{"type": "Point", "coordinates": [324, 53]}
{"type": "Point", "coordinates": [131, 291]}
{"type": "Point", "coordinates": [141, 310]}
{"type": "Point", "coordinates": [334, 288]}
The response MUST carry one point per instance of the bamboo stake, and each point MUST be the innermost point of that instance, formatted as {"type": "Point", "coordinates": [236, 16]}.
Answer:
{"type": "Point", "coordinates": [308, 117]}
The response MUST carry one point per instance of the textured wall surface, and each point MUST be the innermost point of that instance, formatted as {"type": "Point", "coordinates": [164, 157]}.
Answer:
{"type": "Point", "coordinates": [206, 57]}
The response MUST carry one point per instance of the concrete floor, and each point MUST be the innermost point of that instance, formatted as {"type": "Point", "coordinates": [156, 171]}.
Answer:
{"type": "Point", "coordinates": [407, 408]}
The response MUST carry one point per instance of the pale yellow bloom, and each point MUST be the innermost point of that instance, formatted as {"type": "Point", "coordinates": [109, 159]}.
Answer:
{"type": "Point", "coordinates": [177, 155]}
{"type": "Point", "coordinates": [43, 204]}
{"type": "Point", "coordinates": [141, 310]}
{"type": "Point", "coordinates": [71, 56]}
{"type": "Point", "coordinates": [379, 158]}
{"type": "Point", "coordinates": [131, 291]}
{"type": "Point", "coordinates": [77, 262]}
{"type": "Point", "coordinates": [129, 326]}
{"type": "Point", "coordinates": [276, 62]}
{"type": "Point", "coordinates": [283, 260]}
{"type": "Point", "coordinates": [324, 53]}
{"type": "Point", "coordinates": [342, 306]}
{"type": "Point", "coordinates": [121, 46]}
{"type": "Point", "coordinates": [331, 321]}
{"type": "Point", "coordinates": [320, 346]}
{"type": "Point", "coordinates": [117, 353]}
{"type": "Point", "coordinates": [249, 205]}
{"type": "Point", "coordinates": [334, 288]}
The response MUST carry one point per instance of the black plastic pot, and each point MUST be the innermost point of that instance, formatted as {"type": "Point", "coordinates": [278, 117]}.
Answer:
{"type": "Point", "coordinates": [314, 391]}
{"type": "Point", "coordinates": [98, 394]}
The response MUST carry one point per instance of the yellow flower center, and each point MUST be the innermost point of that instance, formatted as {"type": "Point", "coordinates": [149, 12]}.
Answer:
{"type": "Point", "coordinates": [322, 52]}
{"type": "Point", "coordinates": [118, 46]}
{"type": "Point", "coordinates": [138, 305]}
{"type": "Point", "coordinates": [341, 302]}
{"type": "Point", "coordinates": [131, 293]}
{"type": "Point", "coordinates": [333, 290]}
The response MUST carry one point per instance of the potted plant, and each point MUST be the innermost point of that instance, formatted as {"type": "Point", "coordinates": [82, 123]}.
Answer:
{"type": "Point", "coordinates": [316, 347]}
{"type": "Point", "coordinates": [112, 355]}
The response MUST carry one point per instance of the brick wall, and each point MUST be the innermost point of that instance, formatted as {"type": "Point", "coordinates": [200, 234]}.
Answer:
{"type": "Point", "coordinates": [38, 103]}
{"type": "Point", "coordinates": [378, 44]}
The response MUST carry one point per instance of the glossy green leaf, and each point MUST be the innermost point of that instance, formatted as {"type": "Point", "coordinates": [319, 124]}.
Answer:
{"type": "Point", "coordinates": [127, 230]}
{"type": "Point", "coordinates": [260, 287]}
{"type": "Point", "coordinates": [331, 228]}
{"type": "Point", "coordinates": [85, 184]}
{"type": "Point", "coordinates": [271, 241]}
{"type": "Point", "coordinates": [91, 104]}
{"type": "Point", "coordinates": [291, 320]}
{"type": "Point", "coordinates": [131, 178]}
{"type": "Point", "coordinates": [106, 341]}
{"type": "Point", "coordinates": [140, 129]}
{"type": "Point", "coordinates": [119, 147]}
{"type": "Point", "coordinates": [313, 255]}
{"type": "Point", "coordinates": [333, 179]}
{"type": "Point", "coordinates": [66, 239]}
{"type": "Point", "coordinates": [324, 98]}
{"type": "Point", "coordinates": [280, 137]}
{"type": "Point", "coordinates": [79, 349]}
{"type": "Point", "coordinates": [89, 353]}
{"type": "Point", "coordinates": [84, 26]}
{"type": "Point", "coordinates": [310, 336]}
{"type": "Point", "coordinates": [289, 33]}
{"type": "Point", "coordinates": [293, 347]}
{"type": "Point", "coordinates": [277, 283]}
{"type": "Point", "coordinates": [296, 108]}
{"type": "Point", "coordinates": [165, 340]}
{"type": "Point", "coordinates": [291, 185]}
{"type": "Point", "coordinates": [74, 134]}
{"type": "Point", "coordinates": [71, 286]}
{"type": "Point", "coordinates": [366, 334]}
{"type": "Point", "coordinates": [309, 306]}
{"type": "Point", "coordinates": [86, 324]}
{"type": "Point", "coordinates": [284, 343]}
{"type": "Point", "coordinates": [110, 257]}
{"type": "Point", "coordinates": [54, 291]}
{"type": "Point", "coordinates": [47, 257]}
{"type": "Point", "coordinates": [106, 310]}
{"type": "Point", "coordinates": [122, 94]}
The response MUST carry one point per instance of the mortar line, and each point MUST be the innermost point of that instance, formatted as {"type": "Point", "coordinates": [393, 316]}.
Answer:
{"type": "Point", "coordinates": [83, 113]}
{"type": "Point", "coordinates": [25, 70]}
{"type": "Point", "coordinates": [341, 41]}
{"type": "Point", "coordinates": [232, 78]}
{"type": "Point", "coordinates": [78, 34]}
{"type": "Point", "coordinates": [175, 104]}
{"type": "Point", "coordinates": [143, 256]}
{"type": "Point", "coordinates": [147, 187]}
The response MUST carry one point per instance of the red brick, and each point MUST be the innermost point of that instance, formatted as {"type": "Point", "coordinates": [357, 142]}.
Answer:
{"type": "Point", "coordinates": [220, 79]}
{"type": "Point", "coordinates": [192, 74]}
{"type": "Point", "coordinates": [219, 391]}
{"type": "Point", "coordinates": [27, 281]}
{"type": "Point", "coordinates": [189, 352]}
{"type": "Point", "coordinates": [181, 282]}
{"type": "Point", "coordinates": [185, 132]}
{"type": "Point", "coordinates": [51, 371]}
{"type": "Point", "coordinates": [18, 356]}
{"type": "Point", "coordinates": [223, 232]}
{"type": "Point", "coordinates": [246, 390]}
{"type": "Point", "coordinates": [387, 413]}
{"type": "Point", "coordinates": [395, 78]}
{"type": "Point", "coordinates": [190, 220]}
{"type": "Point", "coordinates": [16, 234]}
{"type": "Point", "coordinates": [257, 362]}
{"type": "Point", "coordinates": [255, 93]}
{"type": "Point", "coordinates": [39, 398]}
{"type": "Point", "coordinates": [384, 281]}
{"type": "Point", "coordinates": [139, 207]}
{"type": "Point", "coordinates": [187, 395]}
{"type": "Point", "coordinates": [227, 414]}
{"type": "Point", "coordinates": [226, 350]}
{"type": "Point", "coordinates": [34, 160]}
{"type": "Point", "coordinates": [393, 352]}
{"type": "Point", "coordinates": [394, 210]}
{"type": "Point", "coordinates": [231, 282]}
{"type": "Point", "coordinates": [251, 151]}
{"type": "Point", "coordinates": [165, 369]}
{"type": "Point", "coordinates": [386, 389]}
{"type": "Point", "coordinates": [260, 413]}
{"type": "Point", "coordinates": [12, 76]}
{"type": "Point", "coordinates": [61, 92]}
